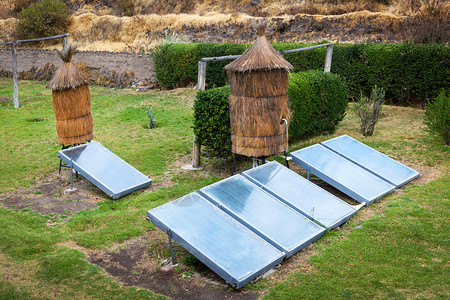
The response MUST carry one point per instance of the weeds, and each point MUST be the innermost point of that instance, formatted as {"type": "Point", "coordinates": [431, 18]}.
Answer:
{"type": "Point", "coordinates": [368, 110]}
{"type": "Point", "coordinates": [151, 118]}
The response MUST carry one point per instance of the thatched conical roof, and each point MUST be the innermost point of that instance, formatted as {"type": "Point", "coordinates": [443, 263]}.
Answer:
{"type": "Point", "coordinates": [68, 75]}
{"type": "Point", "coordinates": [260, 56]}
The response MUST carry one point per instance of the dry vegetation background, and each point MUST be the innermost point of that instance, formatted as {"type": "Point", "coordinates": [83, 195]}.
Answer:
{"type": "Point", "coordinates": [136, 25]}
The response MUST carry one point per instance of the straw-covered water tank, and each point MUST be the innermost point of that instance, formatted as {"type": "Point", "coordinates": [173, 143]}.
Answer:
{"type": "Point", "coordinates": [71, 101]}
{"type": "Point", "coordinates": [259, 100]}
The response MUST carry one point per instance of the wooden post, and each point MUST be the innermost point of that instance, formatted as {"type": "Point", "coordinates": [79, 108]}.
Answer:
{"type": "Point", "coordinates": [14, 66]}
{"type": "Point", "coordinates": [201, 79]}
{"type": "Point", "coordinates": [201, 83]}
{"type": "Point", "coordinates": [327, 67]}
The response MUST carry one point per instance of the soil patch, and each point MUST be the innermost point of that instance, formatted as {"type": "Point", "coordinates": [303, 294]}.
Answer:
{"type": "Point", "coordinates": [51, 199]}
{"type": "Point", "coordinates": [138, 263]}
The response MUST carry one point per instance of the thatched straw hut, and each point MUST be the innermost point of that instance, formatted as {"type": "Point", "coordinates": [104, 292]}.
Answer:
{"type": "Point", "coordinates": [259, 100]}
{"type": "Point", "coordinates": [71, 101]}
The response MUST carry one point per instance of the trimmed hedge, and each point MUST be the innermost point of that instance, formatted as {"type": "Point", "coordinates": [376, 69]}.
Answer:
{"type": "Point", "coordinates": [212, 121]}
{"type": "Point", "coordinates": [409, 73]}
{"type": "Point", "coordinates": [318, 101]}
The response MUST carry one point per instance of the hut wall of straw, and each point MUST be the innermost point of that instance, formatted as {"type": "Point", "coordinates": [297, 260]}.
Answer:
{"type": "Point", "coordinates": [72, 108]}
{"type": "Point", "coordinates": [258, 103]}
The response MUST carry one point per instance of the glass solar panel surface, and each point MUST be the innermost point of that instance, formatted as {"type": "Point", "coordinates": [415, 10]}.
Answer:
{"type": "Point", "coordinates": [280, 225]}
{"type": "Point", "coordinates": [105, 169]}
{"type": "Point", "coordinates": [302, 194]}
{"type": "Point", "coordinates": [231, 250]}
{"type": "Point", "coordinates": [374, 161]}
{"type": "Point", "coordinates": [341, 173]}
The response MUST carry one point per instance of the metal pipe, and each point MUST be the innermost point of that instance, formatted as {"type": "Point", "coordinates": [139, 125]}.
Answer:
{"type": "Point", "coordinates": [169, 234]}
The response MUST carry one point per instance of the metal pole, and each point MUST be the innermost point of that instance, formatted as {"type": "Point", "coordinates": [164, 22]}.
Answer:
{"type": "Point", "coordinates": [169, 234]}
{"type": "Point", "coordinates": [71, 174]}
{"type": "Point", "coordinates": [64, 42]}
{"type": "Point", "coordinates": [15, 85]}
{"type": "Point", "coordinates": [327, 67]}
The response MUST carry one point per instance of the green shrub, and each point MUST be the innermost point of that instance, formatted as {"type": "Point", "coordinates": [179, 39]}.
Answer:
{"type": "Point", "coordinates": [42, 19]}
{"type": "Point", "coordinates": [437, 116]}
{"type": "Point", "coordinates": [318, 101]}
{"type": "Point", "coordinates": [368, 110]}
{"type": "Point", "coordinates": [212, 121]}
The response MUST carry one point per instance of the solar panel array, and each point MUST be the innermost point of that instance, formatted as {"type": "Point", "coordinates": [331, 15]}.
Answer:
{"type": "Point", "coordinates": [244, 225]}
{"type": "Point", "coordinates": [359, 171]}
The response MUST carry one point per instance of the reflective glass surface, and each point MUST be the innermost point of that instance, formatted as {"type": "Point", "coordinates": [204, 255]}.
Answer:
{"type": "Point", "coordinates": [222, 243]}
{"type": "Point", "coordinates": [280, 225]}
{"type": "Point", "coordinates": [343, 173]}
{"type": "Point", "coordinates": [104, 169]}
{"type": "Point", "coordinates": [302, 194]}
{"type": "Point", "coordinates": [371, 159]}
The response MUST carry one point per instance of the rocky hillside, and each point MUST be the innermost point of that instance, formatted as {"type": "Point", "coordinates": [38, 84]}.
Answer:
{"type": "Point", "coordinates": [137, 25]}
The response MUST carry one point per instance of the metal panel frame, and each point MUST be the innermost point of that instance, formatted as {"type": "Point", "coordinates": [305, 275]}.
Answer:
{"type": "Point", "coordinates": [114, 195]}
{"type": "Point", "coordinates": [235, 282]}
{"type": "Point", "coordinates": [342, 220]}
{"type": "Point", "coordinates": [408, 179]}
{"type": "Point", "coordinates": [288, 252]}
{"type": "Point", "coordinates": [335, 183]}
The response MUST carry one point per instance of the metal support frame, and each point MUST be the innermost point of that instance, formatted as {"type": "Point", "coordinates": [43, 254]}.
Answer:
{"type": "Point", "coordinates": [169, 234]}
{"type": "Point", "coordinates": [256, 161]}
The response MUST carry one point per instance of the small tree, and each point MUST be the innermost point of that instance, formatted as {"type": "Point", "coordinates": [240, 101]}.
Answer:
{"type": "Point", "coordinates": [44, 18]}
{"type": "Point", "coordinates": [368, 110]}
{"type": "Point", "coordinates": [437, 116]}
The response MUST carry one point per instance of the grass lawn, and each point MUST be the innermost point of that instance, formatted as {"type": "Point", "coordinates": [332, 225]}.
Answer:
{"type": "Point", "coordinates": [398, 247]}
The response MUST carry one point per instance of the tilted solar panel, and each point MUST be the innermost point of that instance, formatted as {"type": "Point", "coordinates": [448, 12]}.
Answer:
{"type": "Point", "coordinates": [368, 158]}
{"type": "Point", "coordinates": [346, 176]}
{"type": "Point", "coordinates": [301, 194]}
{"type": "Point", "coordinates": [104, 169]}
{"type": "Point", "coordinates": [223, 244]}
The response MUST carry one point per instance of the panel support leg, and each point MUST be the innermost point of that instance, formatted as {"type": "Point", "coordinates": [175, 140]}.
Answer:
{"type": "Point", "coordinates": [308, 172]}
{"type": "Point", "coordinates": [286, 162]}
{"type": "Point", "coordinates": [234, 164]}
{"type": "Point", "coordinates": [71, 174]}
{"type": "Point", "coordinates": [169, 234]}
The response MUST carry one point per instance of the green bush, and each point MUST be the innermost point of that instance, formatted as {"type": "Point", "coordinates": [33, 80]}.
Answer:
{"type": "Point", "coordinates": [409, 73]}
{"type": "Point", "coordinates": [318, 101]}
{"type": "Point", "coordinates": [437, 116]}
{"type": "Point", "coordinates": [42, 19]}
{"type": "Point", "coordinates": [212, 121]}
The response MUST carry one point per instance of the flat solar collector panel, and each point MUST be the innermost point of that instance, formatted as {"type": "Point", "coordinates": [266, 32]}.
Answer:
{"type": "Point", "coordinates": [104, 169]}
{"type": "Point", "coordinates": [223, 244]}
{"type": "Point", "coordinates": [280, 225]}
{"type": "Point", "coordinates": [358, 183]}
{"type": "Point", "coordinates": [301, 194]}
{"type": "Point", "coordinates": [379, 164]}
